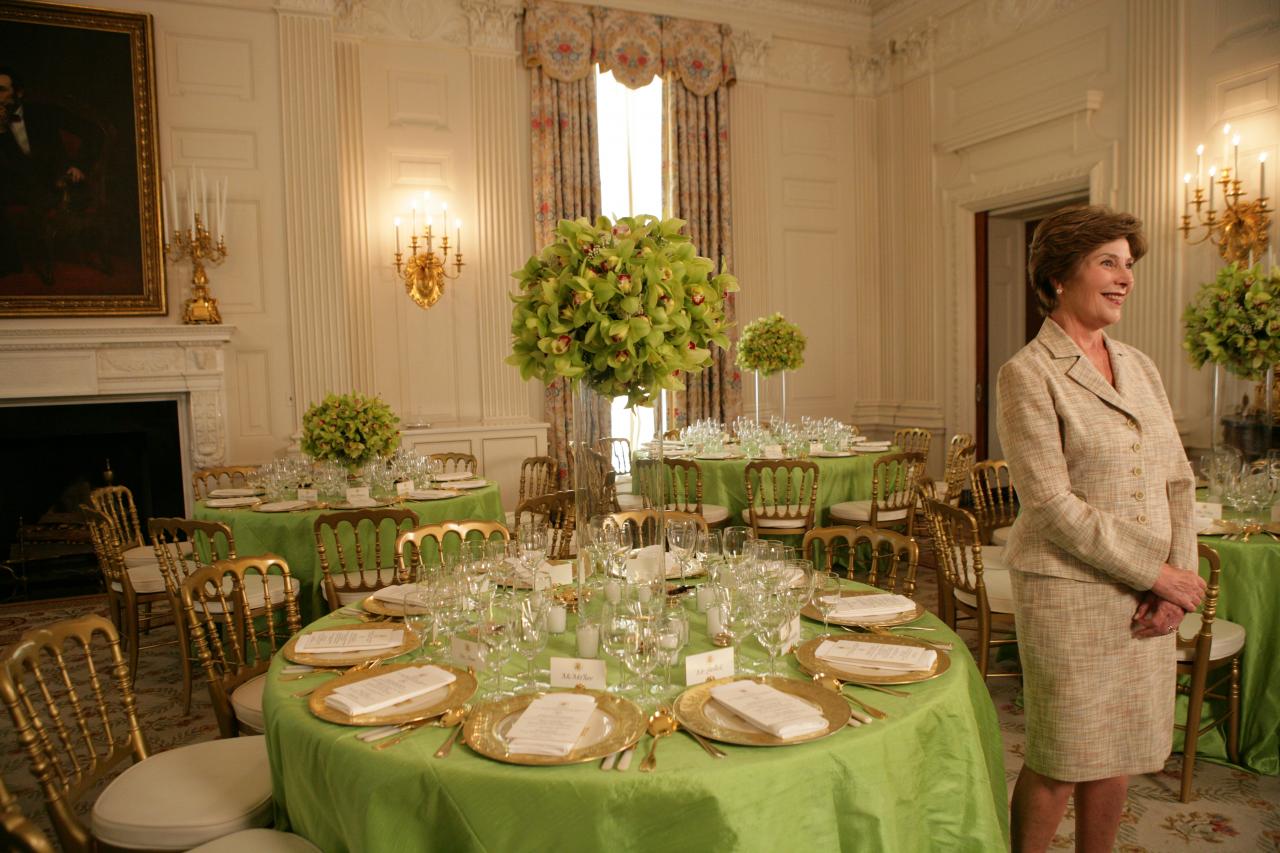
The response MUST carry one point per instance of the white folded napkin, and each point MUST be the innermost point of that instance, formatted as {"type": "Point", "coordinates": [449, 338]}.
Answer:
{"type": "Point", "coordinates": [283, 506]}
{"type": "Point", "coordinates": [320, 642]}
{"type": "Point", "coordinates": [552, 724]}
{"type": "Point", "coordinates": [868, 445]}
{"type": "Point", "coordinates": [475, 483]}
{"type": "Point", "coordinates": [560, 573]}
{"type": "Point", "coordinates": [643, 564]}
{"type": "Point", "coordinates": [886, 656]}
{"type": "Point", "coordinates": [360, 503]}
{"type": "Point", "coordinates": [451, 476]}
{"type": "Point", "coordinates": [230, 503]}
{"type": "Point", "coordinates": [382, 691]}
{"type": "Point", "coordinates": [429, 494]}
{"type": "Point", "coordinates": [870, 606]}
{"type": "Point", "coordinates": [769, 709]}
{"type": "Point", "coordinates": [407, 593]}
{"type": "Point", "coordinates": [234, 493]}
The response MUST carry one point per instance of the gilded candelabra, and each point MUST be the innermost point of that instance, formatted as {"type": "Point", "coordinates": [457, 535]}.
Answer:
{"type": "Point", "coordinates": [1240, 229]}
{"type": "Point", "coordinates": [197, 245]}
{"type": "Point", "coordinates": [424, 272]}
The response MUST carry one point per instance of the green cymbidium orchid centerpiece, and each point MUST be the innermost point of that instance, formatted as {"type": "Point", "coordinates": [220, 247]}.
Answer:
{"type": "Point", "coordinates": [350, 429]}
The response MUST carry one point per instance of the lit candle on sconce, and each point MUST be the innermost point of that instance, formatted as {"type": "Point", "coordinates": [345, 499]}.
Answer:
{"type": "Point", "coordinates": [1213, 171]}
{"type": "Point", "coordinates": [1235, 155]}
{"type": "Point", "coordinates": [1262, 175]}
{"type": "Point", "coordinates": [1199, 164]}
{"type": "Point", "coordinates": [413, 217]}
{"type": "Point", "coordinates": [457, 225]}
{"type": "Point", "coordinates": [1186, 190]}
{"type": "Point", "coordinates": [397, 235]}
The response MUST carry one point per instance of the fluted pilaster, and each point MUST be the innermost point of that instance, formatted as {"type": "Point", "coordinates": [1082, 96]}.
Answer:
{"type": "Point", "coordinates": [1153, 320]}
{"type": "Point", "coordinates": [309, 118]}
{"type": "Point", "coordinates": [354, 217]}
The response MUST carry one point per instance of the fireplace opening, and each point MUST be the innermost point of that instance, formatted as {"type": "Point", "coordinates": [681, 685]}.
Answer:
{"type": "Point", "coordinates": [52, 456]}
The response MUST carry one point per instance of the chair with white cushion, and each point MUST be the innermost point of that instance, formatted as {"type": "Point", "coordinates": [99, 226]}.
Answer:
{"type": "Point", "coordinates": [1207, 643]}
{"type": "Point", "coordinates": [684, 492]}
{"type": "Point", "coordinates": [453, 463]}
{"type": "Point", "coordinates": [974, 583]}
{"type": "Point", "coordinates": [644, 523]}
{"type": "Point", "coordinates": [895, 479]}
{"type": "Point", "coordinates": [538, 476]}
{"type": "Point", "coordinates": [443, 536]}
{"type": "Point", "coordinates": [556, 511]}
{"type": "Point", "coordinates": [66, 687]}
{"type": "Point", "coordinates": [357, 551]}
{"type": "Point", "coordinates": [182, 546]}
{"type": "Point", "coordinates": [995, 504]}
{"type": "Point", "coordinates": [913, 440]}
{"type": "Point", "coordinates": [132, 591]}
{"type": "Point", "coordinates": [240, 611]}
{"type": "Point", "coordinates": [960, 456]}
{"type": "Point", "coordinates": [207, 480]}
{"type": "Point", "coordinates": [781, 496]}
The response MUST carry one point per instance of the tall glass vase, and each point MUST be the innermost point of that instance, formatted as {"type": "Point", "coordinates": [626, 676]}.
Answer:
{"type": "Point", "coordinates": [756, 373]}
{"type": "Point", "coordinates": [784, 396]}
{"type": "Point", "coordinates": [592, 486]}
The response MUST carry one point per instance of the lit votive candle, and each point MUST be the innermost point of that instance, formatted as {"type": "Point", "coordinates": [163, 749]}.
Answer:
{"type": "Point", "coordinates": [588, 640]}
{"type": "Point", "coordinates": [612, 592]}
{"type": "Point", "coordinates": [703, 598]}
{"type": "Point", "coordinates": [556, 619]}
{"type": "Point", "coordinates": [714, 626]}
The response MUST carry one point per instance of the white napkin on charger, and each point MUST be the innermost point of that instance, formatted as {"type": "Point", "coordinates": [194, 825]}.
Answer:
{"type": "Point", "coordinates": [230, 503]}
{"type": "Point", "coordinates": [472, 483]}
{"type": "Point", "coordinates": [552, 724]}
{"type": "Point", "coordinates": [283, 506]}
{"type": "Point", "coordinates": [886, 656]}
{"type": "Point", "coordinates": [451, 476]}
{"type": "Point", "coordinates": [321, 642]}
{"type": "Point", "coordinates": [429, 494]}
{"type": "Point", "coordinates": [407, 593]}
{"type": "Point", "coordinates": [769, 709]}
{"type": "Point", "coordinates": [869, 606]}
{"type": "Point", "coordinates": [382, 691]}
{"type": "Point", "coordinates": [234, 493]}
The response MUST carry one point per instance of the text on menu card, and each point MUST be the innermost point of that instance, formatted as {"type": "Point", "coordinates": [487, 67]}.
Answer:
{"type": "Point", "coordinates": [570, 672]}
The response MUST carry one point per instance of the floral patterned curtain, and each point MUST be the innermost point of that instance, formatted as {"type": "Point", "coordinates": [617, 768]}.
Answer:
{"type": "Point", "coordinates": [696, 158]}
{"type": "Point", "coordinates": [562, 44]}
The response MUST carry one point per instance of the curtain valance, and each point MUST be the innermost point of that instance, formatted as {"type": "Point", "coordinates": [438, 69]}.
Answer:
{"type": "Point", "coordinates": [567, 39]}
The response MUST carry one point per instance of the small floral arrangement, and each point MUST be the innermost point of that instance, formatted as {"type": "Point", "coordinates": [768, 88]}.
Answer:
{"type": "Point", "coordinates": [771, 344]}
{"type": "Point", "coordinates": [1234, 321]}
{"type": "Point", "coordinates": [625, 306]}
{"type": "Point", "coordinates": [350, 429]}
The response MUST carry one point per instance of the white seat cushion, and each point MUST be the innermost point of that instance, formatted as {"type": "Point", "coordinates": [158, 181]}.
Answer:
{"type": "Point", "coordinates": [145, 555]}
{"type": "Point", "coordinates": [1228, 638]}
{"type": "Point", "coordinates": [259, 841]}
{"type": "Point", "coordinates": [1000, 536]}
{"type": "Point", "coordinates": [246, 701]}
{"type": "Point", "coordinates": [711, 513]}
{"type": "Point", "coordinates": [143, 578]}
{"type": "Point", "coordinates": [861, 511]}
{"type": "Point", "coordinates": [628, 502]}
{"type": "Point", "coordinates": [993, 557]}
{"type": "Point", "coordinates": [186, 796]}
{"type": "Point", "coordinates": [940, 489]}
{"type": "Point", "coordinates": [999, 589]}
{"type": "Point", "coordinates": [367, 578]}
{"type": "Point", "coordinates": [275, 587]}
{"type": "Point", "coordinates": [781, 523]}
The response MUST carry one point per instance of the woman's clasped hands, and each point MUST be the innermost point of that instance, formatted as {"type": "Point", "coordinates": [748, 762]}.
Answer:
{"type": "Point", "coordinates": [1175, 593]}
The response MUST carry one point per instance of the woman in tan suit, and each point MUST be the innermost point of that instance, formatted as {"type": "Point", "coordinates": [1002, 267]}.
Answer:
{"type": "Point", "coordinates": [1103, 553]}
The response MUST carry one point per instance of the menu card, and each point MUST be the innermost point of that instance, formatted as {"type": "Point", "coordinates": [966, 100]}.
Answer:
{"type": "Point", "coordinates": [282, 506]}
{"type": "Point", "coordinates": [452, 475]}
{"type": "Point", "coordinates": [359, 497]}
{"type": "Point", "coordinates": [887, 656]}
{"type": "Point", "coordinates": [1206, 513]}
{"type": "Point", "coordinates": [872, 606]}
{"type": "Point", "coordinates": [769, 709]}
{"type": "Point", "coordinates": [382, 691]}
{"type": "Point", "coordinates": [429, 494]}
{"type": "Point", "coordinates": [552, 724]}
{"type": "Point", "coordinates": [234, 493]}
{"type": "Point", "coordinates": [319, 642]}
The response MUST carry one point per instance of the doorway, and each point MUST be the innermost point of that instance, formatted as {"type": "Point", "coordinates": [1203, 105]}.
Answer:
{"type": "Point", "coordinates": [1007, 314]}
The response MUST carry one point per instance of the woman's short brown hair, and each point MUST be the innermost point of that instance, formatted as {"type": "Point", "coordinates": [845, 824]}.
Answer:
{"type": "Point", "coordinates": [1065, 237]}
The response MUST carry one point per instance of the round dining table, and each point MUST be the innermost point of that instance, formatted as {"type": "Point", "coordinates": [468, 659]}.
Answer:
{"type": "Point", "coordinates": [292, 534]}
{"type": "Point", "coordinates": [929, 777]}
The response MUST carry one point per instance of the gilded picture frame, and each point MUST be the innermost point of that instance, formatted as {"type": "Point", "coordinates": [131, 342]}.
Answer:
{"type": "Point", "coordinates": [80, 227]}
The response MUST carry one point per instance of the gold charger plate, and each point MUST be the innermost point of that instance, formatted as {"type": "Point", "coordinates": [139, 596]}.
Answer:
{"type": "Point", "coordinates": [807, 655]}
{"type": "Point", "coordinates": [616, 724]}
{"type": "Point", "coordinates": [390, 608]}
{"type": "Point", "coordinates": [698, 712]}
{"type": "Point", "coordinates": [423, 707]}
{"type": "Point", "coordinates": [899, 619]}
{"type": "Point", "coordinates": [1221, 527]}
{"type": "Point", "coordinates": [350, 658]}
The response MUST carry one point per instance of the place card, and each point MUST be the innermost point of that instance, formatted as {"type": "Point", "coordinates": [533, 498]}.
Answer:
{"type": "Point", "coordinates": [311, 496]}
{"type": "Point", "coordinates": [570, 672]}
{"type": "Point", "coordinates": [769, 709]}
{"type": "Point", "coordinates": [359, 496]}
{"type": "Point", "coordinates": [887, 656]}
{"type": "Point", "coordinates": [1207, 510]}
{"type": "Point", "coordinates": [773, 451]}
{"type": "Point", "coordinates": [319, 642]}
{"type": "Point", "coordinates": [404, 487]}
{"type": "Point", "coordinates": [708, 666]}
{"type": "Point", "coordinates": [467, 653]}
{"type": "Point", "coordinates": [381, 691]}
{"type": "Point", "coordinates": [791, 638]}
{"type": "Point", "coordinates": [552, 724]}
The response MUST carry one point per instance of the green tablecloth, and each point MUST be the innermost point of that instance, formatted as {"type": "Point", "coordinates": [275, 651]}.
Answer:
{"type": "Point", "coordinates": [292, 534]}
{"type": "Point", "coordinates": [1249, 595]}
{"type": "Point", "coordinates": [844, 479]}
{"type": "Point", "coordinates": [931, 777]}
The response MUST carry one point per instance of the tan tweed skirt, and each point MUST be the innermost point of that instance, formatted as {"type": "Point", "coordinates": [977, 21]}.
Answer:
{"type": "Point", "coordinates": [1098, 702]}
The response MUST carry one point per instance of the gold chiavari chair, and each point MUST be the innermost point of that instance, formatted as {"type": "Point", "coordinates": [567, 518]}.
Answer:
{"type": "Point", "coordinates": [455, 462]}
{"type": "Point", "coordinates": [356, 549]}
{"type": "Point", "coordinates": [647, 486]}
{"type": "Point", "coordinates": [557, 512]}
{"type": "Point", "coordinates": [618, 452]}
{"type": "Point", "coordinates": [892, 558]}
{"type": "Point", "coordinates": [131, 592]}
{"type": "Point", "coordinates": [601, 481]}
{"type": "Point", "coordinates": [781, 496]}
{"type": "Point", "coordinates": [241, 612]}
{"type": "Point", "coordinates": [66, 687]}
{"type": "Point", "coordinates": [537, 477]}
{"type": "Point", "coordinates": [913, 440]}
{"type": "Point", "coordinates": [959, 467]}
{"type": "Point", "coordinates": [116, 503]}
{"type": "Point", "coordinates": [828, 547]}
{"type": "Point", "coordinates": [409, 560]}
{"type": "Point", "coordinates": [17, 833]}
{"type": "Point", "coordinates": [995, 504]}
{"type": "Point", "coordinates": [1207, 643]}
{"type": "Point", "coordinates": [206, 480]}
{"type": "Point", "coordinates": [974, 583]}
{"type": "Point", "coordinates": [895, 478]}
{"type": "Point", "coordinates": [182, 546]}
{"type": "Point", "coordinates": [684, 492]}
{"type": "Point", "coordinates": [644, 523]}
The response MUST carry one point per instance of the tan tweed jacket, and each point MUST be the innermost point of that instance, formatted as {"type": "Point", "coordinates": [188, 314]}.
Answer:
{"type": "Point", "coordinates": [1105, 489]}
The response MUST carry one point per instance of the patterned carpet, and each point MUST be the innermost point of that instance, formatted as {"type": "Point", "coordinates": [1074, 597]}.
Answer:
{"type": "Point", "coordinates": [1232, 811]}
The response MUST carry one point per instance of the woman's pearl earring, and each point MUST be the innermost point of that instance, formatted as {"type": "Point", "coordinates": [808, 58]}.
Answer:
{"type": "Point", "coordinates": [1059, 291]}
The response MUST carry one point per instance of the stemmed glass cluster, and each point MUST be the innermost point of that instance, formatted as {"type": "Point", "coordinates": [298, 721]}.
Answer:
{"type": "Point", "coordinates": [704, 436]}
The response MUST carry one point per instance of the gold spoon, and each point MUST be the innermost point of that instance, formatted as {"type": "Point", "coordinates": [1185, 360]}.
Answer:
{"type": "Point", "coordinates": [449, 718]}
{"type": "Point", "coordinates": [661, 724]}
{"type": "Point", "coordinates": [835, 685]}
{"type": "Point", "coordinates": [458, 719]}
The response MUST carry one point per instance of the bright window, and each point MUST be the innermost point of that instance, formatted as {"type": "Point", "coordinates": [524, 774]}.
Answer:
{"type": "Point", "coordinates": [630, 135]}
